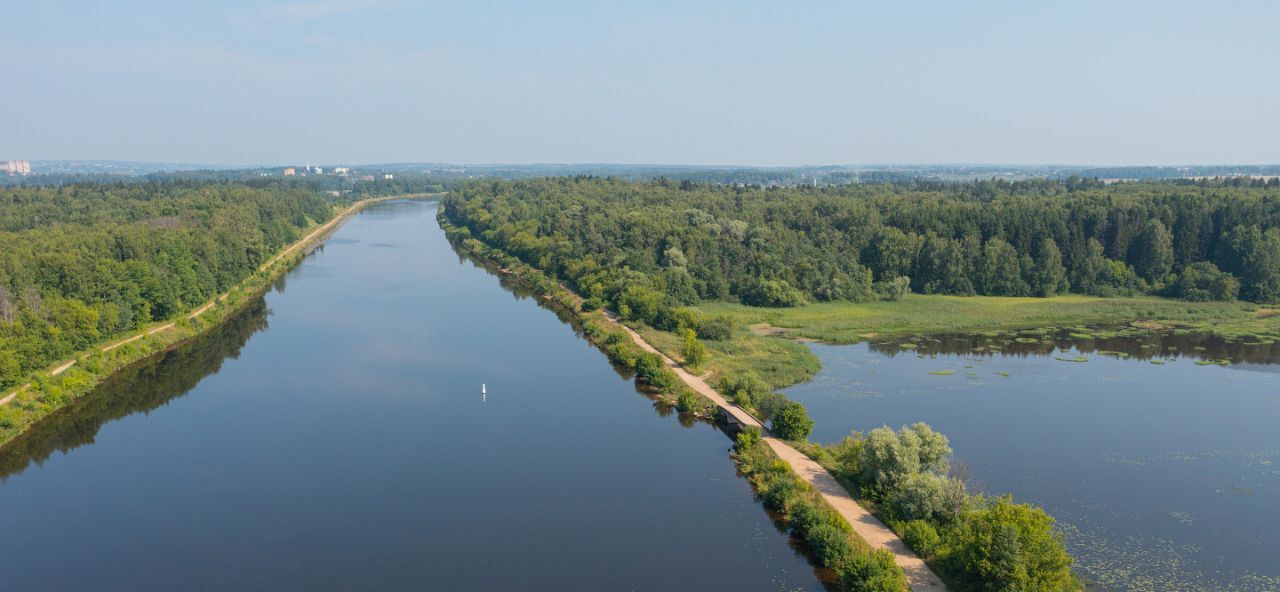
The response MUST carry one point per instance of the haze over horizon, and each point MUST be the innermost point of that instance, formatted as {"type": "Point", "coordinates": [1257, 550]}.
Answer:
{"type": "Point", "coordinates": [712, 83]}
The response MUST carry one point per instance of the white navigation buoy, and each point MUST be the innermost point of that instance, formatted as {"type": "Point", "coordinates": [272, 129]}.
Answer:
{"type": "Point", "coordinates": [483, 395]}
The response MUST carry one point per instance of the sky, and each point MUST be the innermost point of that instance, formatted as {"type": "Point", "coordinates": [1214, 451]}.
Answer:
{"type": "Point", "coordinates": [682, 82]}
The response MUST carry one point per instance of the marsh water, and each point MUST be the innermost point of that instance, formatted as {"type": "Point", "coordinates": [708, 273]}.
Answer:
{"type": "Point", "coordinates": [1159, 454]}
{"type": "Point", "coordinates": [334, 436]}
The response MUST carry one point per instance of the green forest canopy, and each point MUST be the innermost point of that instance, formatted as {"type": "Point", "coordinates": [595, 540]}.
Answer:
{"type": "Point", "coordinates": [659, 243]}
{"type": "Point", "coordinates": [82, 263]}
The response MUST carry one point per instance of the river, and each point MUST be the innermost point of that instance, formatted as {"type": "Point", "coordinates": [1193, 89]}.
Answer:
{"type": "Point", "coordinates": [334, 436]}
{"type": "Point", "coordinates": [1164, 476]}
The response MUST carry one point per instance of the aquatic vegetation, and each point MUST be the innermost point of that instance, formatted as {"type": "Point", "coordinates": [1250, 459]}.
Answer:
{"type": "Point", "coordinates": [1075, 359]}
{"type": "Point", "coordinates": [1183, 517]}
{"type": "Point", "coordinates": [1233, 488]}
{"type": "Point", "coordinates": [943, 372]}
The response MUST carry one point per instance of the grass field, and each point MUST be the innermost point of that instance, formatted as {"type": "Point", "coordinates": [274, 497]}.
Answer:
{"type": "Point", "coordinates": [756, 345]}
{"type": "Point", "coordinates": [781, 362]}
{"type": "Point", "coordinates": [849, 322]}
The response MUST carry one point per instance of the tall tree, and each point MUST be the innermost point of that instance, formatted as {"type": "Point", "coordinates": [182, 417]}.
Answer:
{"type": "Point", "coordinates": [1048, 276]}
{"type": "Point", "coordinates": [1000, 273]}
{"type": "Point", "coordinates": [1152, 255]}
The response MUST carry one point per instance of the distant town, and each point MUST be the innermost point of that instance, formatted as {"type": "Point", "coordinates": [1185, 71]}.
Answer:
{"type": "Point", "coordinates": [16, 168]}
{"type": "Point", "coordinates": [294, 171]}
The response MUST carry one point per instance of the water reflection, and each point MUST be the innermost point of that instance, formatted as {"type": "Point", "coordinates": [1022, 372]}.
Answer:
{"type": "Point", "coordinates": [1162, 475]}
{"type": "Point", "coordinates": [140, 388]}
{"type": "Point", "coordinates": [1126, 342]}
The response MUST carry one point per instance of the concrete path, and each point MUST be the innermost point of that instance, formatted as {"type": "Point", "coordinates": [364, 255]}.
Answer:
{"type": "Point", "coordinates": [874, 532]}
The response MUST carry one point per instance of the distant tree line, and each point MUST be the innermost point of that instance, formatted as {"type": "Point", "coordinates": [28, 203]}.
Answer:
{"type": "Point", "coordinates": [647, 247]}
{"type": "Point", "coordinates": [81, 263]}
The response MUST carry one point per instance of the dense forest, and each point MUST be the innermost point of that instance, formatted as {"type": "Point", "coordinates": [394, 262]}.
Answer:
{"type": "Point", "coordinates": [655, 245]}
{"type": "Point", "coordinates": [81, 263]}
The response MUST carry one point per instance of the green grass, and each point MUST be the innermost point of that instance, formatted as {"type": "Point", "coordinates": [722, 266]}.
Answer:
{"type": "Point", "coordinates": [784, 362]}
{"type": "Point", "coordinates": [849, 322]}
{"type": "Point", "coordinates": [780, 362]}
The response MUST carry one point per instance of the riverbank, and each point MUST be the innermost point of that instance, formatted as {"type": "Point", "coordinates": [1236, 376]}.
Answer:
{"type": "Point", "coordinates": [604, 329]}
{"type": "Point", "coordinates": [754, 345]}
{"type": "Point", "coordinates": [66, 381]}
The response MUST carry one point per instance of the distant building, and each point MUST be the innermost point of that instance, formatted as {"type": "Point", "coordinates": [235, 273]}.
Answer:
{"type": "Point", "coordinates": [290, 171]}
{"type": "Point", "coordinates": [16, 167]}
{"type": "Point", "coordinates": [388, 176]}
{"type": "Point", "coordinates": [318, 170]}
{"type": "Point", "coordinates": [367, 178]}
{"type": "Point", "coordinates": [341, 171]}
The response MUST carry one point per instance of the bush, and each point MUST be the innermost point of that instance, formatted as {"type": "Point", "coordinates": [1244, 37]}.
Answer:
{"type": "Point", "coordinates": [690, 402]}
{"type": "Point", "coordinates": [591, 304]}
{"type": "Point", "coordinates": [792, 422]}
{"type": "Point", "coordinates": [773, 293]}
{"type": "Point", "coordinates": [1009, 546]}
{"type": "Point", "coordinates": [1204, 282]}
{"type": "Point", "coordinates": [746, 390]}
{"type": "Point", "coordinates": [893, 290]}
{"type": "Point", "coordinates": [692, 350]}
{"type": "Point", "coordinates": [828, 543]}
{"type": "Point", "coordinates": [746, 439]}
{"type": "Point", "coordinates": [874, 572]}
{"type": "Point", "coordinates": [886, 459]}
{"type": "Point", "coordinates": [922, 537]}
{"type": "Point", "coordinates": [718, 328]}
{"type": "Point", "coordinates": [928, 496]}
{"type": "Point", "coordinates": [649, 365]}
{"type": "Point", "coordinates": [770, 404]}
{"type": "Point", "coordinates": [779, 494]}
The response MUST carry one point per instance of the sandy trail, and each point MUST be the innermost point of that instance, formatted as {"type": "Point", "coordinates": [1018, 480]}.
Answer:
{"type": "Point", "coordinates": [874, 532]}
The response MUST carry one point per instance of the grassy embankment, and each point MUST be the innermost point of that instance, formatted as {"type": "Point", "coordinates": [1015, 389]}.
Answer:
{"type": "Point", "coordinates": [47, 392]}
{"type": "Point", "coordinates": [784, 362]}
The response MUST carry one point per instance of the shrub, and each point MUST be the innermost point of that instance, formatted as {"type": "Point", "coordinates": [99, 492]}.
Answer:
{"type": "Point", "coordinates": [922, 537]}
{"type": "Point", "coordinates": [773, 293]}
{"type": "Point", "coordinates": [594, 303]}
{"type": "Point", "coordinates": [791, 422]}
{"type": "Point", "coordinates": [692, 350]}
{"type": "Point", "coordinates": [747, 439]}
{"type": "Point", "coordinates": [770, 404]}
{"type": "Point", "coordinates": [828, 543]}
{"type": "Point", "coordinates": [779, 494]}
{"type": "Point", "coordinates": [894, 289]}
{"type": "Point", "coordinates": [928, 496]}
{"type": "Point", "coordinates": [690, 402]}
{"type": "Point", "coordinates": [874, 572]}
{"type": "Point", "coordinates": [718, 328]}
{"type": "Point", "coordinates": [886, 459]}
{"type": "Point", "coordinates": [1009, 546]}
{"type": "Point", "coordinates": [745, 390]}
{"type": "Point", "coordinates": [1204, 282]}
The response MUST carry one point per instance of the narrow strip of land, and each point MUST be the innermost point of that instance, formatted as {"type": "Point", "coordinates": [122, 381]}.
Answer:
{"type": "Point", "coordinates": [298, 244]}
{"type": "Point", "coordinates": [874, 532]}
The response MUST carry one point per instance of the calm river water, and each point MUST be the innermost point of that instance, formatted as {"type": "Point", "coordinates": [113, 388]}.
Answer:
{"type": "Point", "coordinates": [334, 437]}
{"type": "Point", "coordinates": [1164, 476]}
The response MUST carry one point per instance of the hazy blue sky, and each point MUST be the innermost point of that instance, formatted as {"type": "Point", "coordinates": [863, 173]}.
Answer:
{"type": "Point", "coordinates": [797, 82]}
